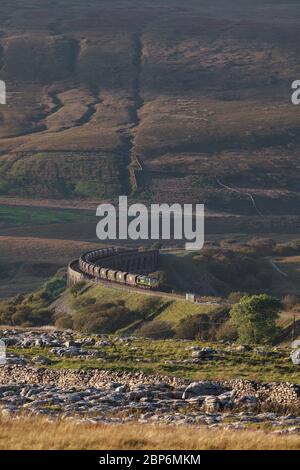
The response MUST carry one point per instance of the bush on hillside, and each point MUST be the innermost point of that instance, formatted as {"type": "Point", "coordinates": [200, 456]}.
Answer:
{"type": "Point", "coordinates": [41, 317]}
{"type": "Point", "coordinates": [31, 317]}
{"type": "Point", "coordinates": [235, 297]}
{"type": "Point", "coordinates": [227, 332]}
{"type": "Point", "coordinates": [54, 287]}
{"type": "Point", "coordinates": [64, 322]}
{"type": "Point", "coordinates": [255, 318]}
{"type": "Point", "coordinates": [104, 318]}
{"type": "Point", "coordinates": [32, 309]}
{"type": "Point", "coordinates": [194, 327]}
{"type": "Point", "coordinates": [77, 288]}
{"type": "Point", "coordinates": [150, 305]}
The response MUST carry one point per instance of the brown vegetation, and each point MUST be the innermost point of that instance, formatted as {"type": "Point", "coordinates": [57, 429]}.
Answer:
{"type": "Point", "coordinates": [25, 263]}
{"type": "Point", "coordinates": [203, 101]}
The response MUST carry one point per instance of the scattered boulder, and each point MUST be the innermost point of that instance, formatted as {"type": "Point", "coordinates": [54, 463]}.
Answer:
{"type": "Point", "coordinates": [42, 360]}
{"type": "Point", "coordinates": [11, 341]}
{"type": "Point", "coordinates": [243, 348]}
{"type": "Point", "coordinates": [102, 344]}
{"type": "Point", "coordinates": [193, 348]}
{"type": "Point", "coordinates": [70, 344]}
{"type": "Point", "coordinates": [203, 388]}
{"type": "Point", "coordinates": [203, 353]}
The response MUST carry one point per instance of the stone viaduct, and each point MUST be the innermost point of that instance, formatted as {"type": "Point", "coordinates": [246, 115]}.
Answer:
{"type": "Point", "coordinates": [131, 261]}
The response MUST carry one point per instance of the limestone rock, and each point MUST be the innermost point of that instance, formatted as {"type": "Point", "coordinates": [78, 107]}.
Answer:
{"type": "Point", "coordinates": [202, 388]}
{"type": "Point", "coordinates": [295, 356]}
{"type": "Point", "coordinates": [42, 360]}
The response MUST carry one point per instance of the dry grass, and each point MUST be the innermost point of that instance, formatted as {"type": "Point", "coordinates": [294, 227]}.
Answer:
{"type": "Point", "coordinates": [200, 97]}
{"type": "Point", "coordinates": [39, 434]}
{"type": "Point", "coordinates": [28, 262]}
{"type": "Point", "coordinates": [40, 250]}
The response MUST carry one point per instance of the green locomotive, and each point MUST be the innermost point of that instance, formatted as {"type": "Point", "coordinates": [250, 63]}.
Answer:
{"type": "Point", "coordinates": [147, 282]}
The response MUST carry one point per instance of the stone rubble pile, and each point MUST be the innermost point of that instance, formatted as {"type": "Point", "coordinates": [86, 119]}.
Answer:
{"type": "Point", "coordinates": [282, 393]}
{"type": "Point", "coordinates": [78, 378]}
{"type": "Point", "coordinates": [117, 402]}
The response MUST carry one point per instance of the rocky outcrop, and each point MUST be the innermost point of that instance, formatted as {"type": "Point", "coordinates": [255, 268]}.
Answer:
{"type": "Point", "coordinates": [284, 393]}
{"type": "Point", "coordinates": [30, 384]}
{"type": "Point", "coordinates": [203, 388]}
{"type": "Point", "coordinates": [129, 399]}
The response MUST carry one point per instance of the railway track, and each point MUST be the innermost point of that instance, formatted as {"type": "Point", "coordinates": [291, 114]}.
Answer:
{"type": "Point", "coordinates": [96, 265]}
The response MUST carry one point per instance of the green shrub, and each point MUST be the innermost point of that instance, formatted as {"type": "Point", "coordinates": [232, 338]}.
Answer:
{"type": "Point", "coordinates": [21, 315]}
{"type": "Point", "coordinates": [41, 317]}
{"type": "Point", "coordinates": [54, 287]}
{"type": "Point", "coordinates": [104, 318]}
{"type": "Point", "coordinates": [227, 332]}
{"type": "Point", "coordinates": [235, 297]}
{"type": "Point", "coordinates": [32, 309]}
{"type": "Point", "coordinates": [34, 317]}
{"type": "Point", "coordinates": [194, 326]}
{"type": "Point", "coordinates": [64, 322]}
{"type": "Point", "coordinates": [150, 305]}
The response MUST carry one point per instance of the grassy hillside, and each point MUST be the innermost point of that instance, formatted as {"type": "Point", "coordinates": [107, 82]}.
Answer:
{"type": "Point", "coordinates": [144, 307]}
{"type": "Point", "coordinates": [231, 265]}
{"type": "Point", "coordinates": [62, 175]}
{"type": "Point", "coordinates": [27, 262]}
{"type": "Point", "coordinates": [199, 92]}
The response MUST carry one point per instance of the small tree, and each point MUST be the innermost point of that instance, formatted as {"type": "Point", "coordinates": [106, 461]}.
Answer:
{"type": "Point", "coordinates": [255, 318]}
{"type": "Point", "coordinates": [235, 297]}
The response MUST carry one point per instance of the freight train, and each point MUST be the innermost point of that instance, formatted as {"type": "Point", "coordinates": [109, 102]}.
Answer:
{"type": "Point", "coordinates": [93, 263]}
